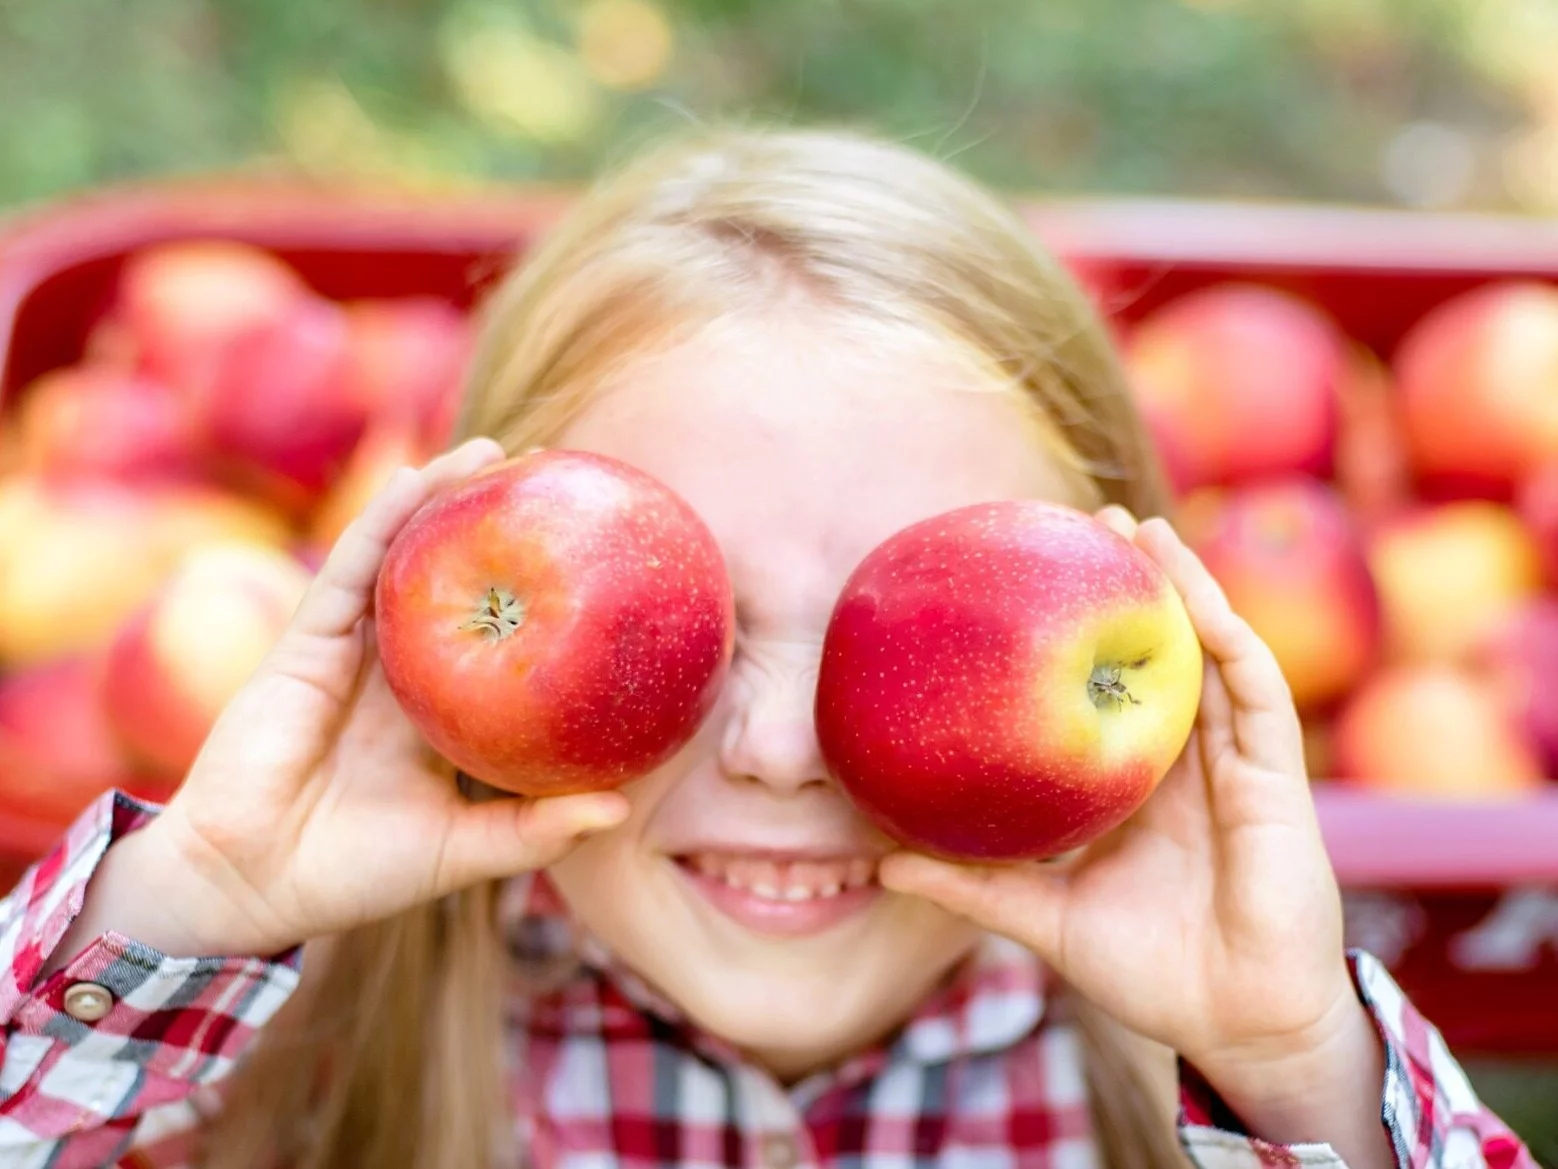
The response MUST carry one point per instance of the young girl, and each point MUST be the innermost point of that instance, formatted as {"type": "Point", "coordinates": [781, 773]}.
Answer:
{"type": "Point", "coordinates": [816, 340]}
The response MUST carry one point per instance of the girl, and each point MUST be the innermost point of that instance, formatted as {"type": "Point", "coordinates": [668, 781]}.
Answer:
{"type": "Point", "coordinates": [816, 339]}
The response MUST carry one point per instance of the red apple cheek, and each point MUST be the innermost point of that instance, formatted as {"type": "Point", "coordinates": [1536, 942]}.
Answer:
{"type": "Point", "coordinates": [649, 686]}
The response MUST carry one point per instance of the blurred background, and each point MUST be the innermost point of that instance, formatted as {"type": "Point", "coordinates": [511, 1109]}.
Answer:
{"type": "Point", "coordinates": [1436, 103]}
{"type": "Point", "coordinates": [1422, 105]}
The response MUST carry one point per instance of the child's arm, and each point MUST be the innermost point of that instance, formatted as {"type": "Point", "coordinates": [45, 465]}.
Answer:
{"type": "Point", "coordinates": [312, 808]}
{"type": "Point", "coordinates": [122, 1029]}
{"type": "Point", "coordinates": [1211, 922]}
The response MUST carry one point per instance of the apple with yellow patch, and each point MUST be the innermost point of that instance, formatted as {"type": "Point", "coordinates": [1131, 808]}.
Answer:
{"type": "Point", "coordinates": [1449, 574]}
{"type": "Point", "coordinates": [78, 556]}
{"type": "Point", "coordinates": [181, 658]}
{"type": "Point", "coordinates": [1435, 732]}
{"type": "Point", "coordinates": [1006, 681]}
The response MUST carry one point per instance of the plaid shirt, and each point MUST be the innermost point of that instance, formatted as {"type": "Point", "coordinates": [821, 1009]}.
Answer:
{"type": "Point", "coordinates": [981, 1078]}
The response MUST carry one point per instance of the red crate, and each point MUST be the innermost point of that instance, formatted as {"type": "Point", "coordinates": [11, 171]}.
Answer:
{"type": "Point", "coordinates": [1460, 900]}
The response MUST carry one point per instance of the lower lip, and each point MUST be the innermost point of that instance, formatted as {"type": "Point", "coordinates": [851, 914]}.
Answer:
{"type": "Point", "coordinates": [785, 919]}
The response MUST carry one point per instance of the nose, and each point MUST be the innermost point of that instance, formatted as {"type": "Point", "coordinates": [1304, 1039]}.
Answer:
{"type": "Point", "coordinates": [771, 737]}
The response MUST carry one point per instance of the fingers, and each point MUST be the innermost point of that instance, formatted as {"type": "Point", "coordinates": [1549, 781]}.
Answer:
{"type": "Point", "coordinates": [343, 590]}
{"type": "Point", "coordinates": [1118, 519]}
{"type": "Point", "coordinates": [1264, 722]}
{"type": "Point", "coordinates": [1024, 902]}
{"type": "Point", "coordinates": [499, 838]}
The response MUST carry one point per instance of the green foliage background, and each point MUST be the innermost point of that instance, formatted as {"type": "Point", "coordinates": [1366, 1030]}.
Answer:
{"type": "Point", "coordinates": [1266, 98]}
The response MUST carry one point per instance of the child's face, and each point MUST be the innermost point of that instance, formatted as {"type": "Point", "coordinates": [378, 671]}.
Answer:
{"type": "Point", "coordinates": [742, 886]}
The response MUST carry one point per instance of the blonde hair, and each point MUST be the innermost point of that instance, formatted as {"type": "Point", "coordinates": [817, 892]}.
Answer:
{"type": "Point", "coordinates": [391, 1053]}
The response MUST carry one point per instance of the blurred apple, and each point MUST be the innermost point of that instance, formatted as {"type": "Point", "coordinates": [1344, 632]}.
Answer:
{"type": "Point", "coordinates": [57, 753]}
{"type": "Point", "coordinates": [279, 406]}
{"type": "Point", "coordinates": [1238, 381]}
{"type": "Point", "coordinates": [1520, 658]}
{"type": "Point", "coordinates": [1538, 503]}
{"type": "Point", "coordinates": [1288, 556]}
{"type": "Point", "coordinates": [84, 420]}
{"type": "Point", "coordinates": [183, 302]}
{"type": "Point", "coordinates": [1448, 573]}
{"type": "Point", "coordinates": [389, 445]}
{"type": "Point", "coordinates": [78, 556]}
{"type": "Point", "coordinates": [1436, 732]}
{"type": "Point", "coordinates": [407, 358]}
{"type": "Point", "coordinates": [179, 660]}
{"type": "Point", "coordinates": [1479, 387]}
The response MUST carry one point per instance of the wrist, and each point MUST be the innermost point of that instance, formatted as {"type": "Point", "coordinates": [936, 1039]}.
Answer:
{"type": "Point", "coordinates": [194, 904]}
{"type": "Point", "coordinates": [1276, 1086]}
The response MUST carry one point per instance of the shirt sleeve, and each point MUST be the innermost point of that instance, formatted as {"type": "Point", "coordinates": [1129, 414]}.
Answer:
{"type": "Point", "coordinates": [75, 1084]}
{"type": "Point", "coordinates": [1427, 1105]}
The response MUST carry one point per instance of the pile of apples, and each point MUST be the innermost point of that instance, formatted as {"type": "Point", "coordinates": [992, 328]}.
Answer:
{"type": "Point", "coordinates": [1390, 528]}
{"type": "Point", "coordinates": [163, 500]}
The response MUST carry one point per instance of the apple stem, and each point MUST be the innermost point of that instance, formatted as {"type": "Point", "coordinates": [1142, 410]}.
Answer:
{"type": "Point", "coordinates": [499, 614]}
{"type": "Point", "coordinates": [1105, 686]}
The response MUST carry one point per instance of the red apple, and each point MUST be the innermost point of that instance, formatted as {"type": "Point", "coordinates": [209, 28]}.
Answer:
{"type": "Point", "coordinates": [57, 753]}
{"type": "Point", "coordinates": [1436, 732]}
{"type": "Point", "coordinates": [1288, 556]}
{"type": "Point", "coordinates": [181, 658]}
{"type": "Point", "coordinates": [1005, 681]}
{"type": "Point", "coordinates": [408, 357]}
{"type": "Point", "coordinates": [83, 420]}
{"type": "Point", "coordinates": [1520, 657]}
{"type": "Point", "coordinates": [1448, 573]}
{"type": "Point", "coordinates": [1479, 386]}
{"type": "Point", "coordinates": [77, 557]}
{"type": "Point", "coordinates": [1538, 503]}
{"type": "Point", "coordinates": [183, 302]}
{"type": "Point", "coordinates": [390, 444]}
{"type": "Point", "coordinates": [278, 404]}
{"type": "Point", "coordinates": [1237, 381]}
{"type": "Point", "coordinates": [560, 623]}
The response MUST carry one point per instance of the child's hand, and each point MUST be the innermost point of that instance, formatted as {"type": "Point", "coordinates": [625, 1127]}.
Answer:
{"type": "Point", "coordinates": [1211, 921]}
{"type": "Point", "coordinates": [314, 805]}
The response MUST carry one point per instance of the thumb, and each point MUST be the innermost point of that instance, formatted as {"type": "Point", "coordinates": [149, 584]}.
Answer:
{"type": "Point", "coordinates": [499, 838]}
{"type": "Point", "coordinates": [1024, 902]}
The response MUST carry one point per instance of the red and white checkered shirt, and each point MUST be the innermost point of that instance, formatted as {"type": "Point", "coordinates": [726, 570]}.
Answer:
{"type": "Point", "coordinates": [981, 1078]}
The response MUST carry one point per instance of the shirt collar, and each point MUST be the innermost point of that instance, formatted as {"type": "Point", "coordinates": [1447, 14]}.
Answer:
{"type": "Point", "coordinates": [994, 1000]}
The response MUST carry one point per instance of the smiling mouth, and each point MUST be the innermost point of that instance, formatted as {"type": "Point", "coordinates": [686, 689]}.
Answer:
{"type": "Point", "coordinates": [782, 895]}
{"type": "Point", "coordinates": [783, 880]}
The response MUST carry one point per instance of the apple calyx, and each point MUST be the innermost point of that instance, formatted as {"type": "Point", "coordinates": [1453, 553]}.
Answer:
{"type": "Point", "coordinates": [498, 614]}
{"type": "Point", "coordinates": [1106, 687]}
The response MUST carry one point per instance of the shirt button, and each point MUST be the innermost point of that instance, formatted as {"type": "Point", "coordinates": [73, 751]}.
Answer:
{"type": "Point", "coordinates": [779, 1151]}
{"type": "Point", "coordinates": [88, 1001]}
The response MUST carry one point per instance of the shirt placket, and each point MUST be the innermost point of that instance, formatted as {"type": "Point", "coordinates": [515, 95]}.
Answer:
{"type": "Point", "coordinates": [775, 1132]}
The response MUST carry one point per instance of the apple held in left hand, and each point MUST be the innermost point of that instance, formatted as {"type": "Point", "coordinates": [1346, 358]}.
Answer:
{"type": "Point", "coordinates": [1209, 921]}
{"type": "Point", "coordinates": [1005, 681]}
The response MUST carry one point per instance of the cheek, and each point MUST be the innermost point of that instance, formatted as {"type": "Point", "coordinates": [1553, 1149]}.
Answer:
{"type": "Point", "coordinates": [602, 878]}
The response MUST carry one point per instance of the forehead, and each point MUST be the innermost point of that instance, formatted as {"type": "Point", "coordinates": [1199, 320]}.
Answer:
{"type": "Point", "coordinates": [804, 442]}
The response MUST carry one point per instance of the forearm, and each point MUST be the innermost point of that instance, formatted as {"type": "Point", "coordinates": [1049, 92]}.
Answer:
{"type": "Point", "coordinates": [1327, 1093]}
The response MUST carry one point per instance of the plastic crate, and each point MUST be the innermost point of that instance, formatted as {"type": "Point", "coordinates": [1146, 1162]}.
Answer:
{"type": "Point", "coordinates": [1460, 900]}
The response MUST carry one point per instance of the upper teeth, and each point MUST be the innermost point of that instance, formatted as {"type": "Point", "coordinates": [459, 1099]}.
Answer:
{"type": "Point", "coordinates": [785, 880]}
